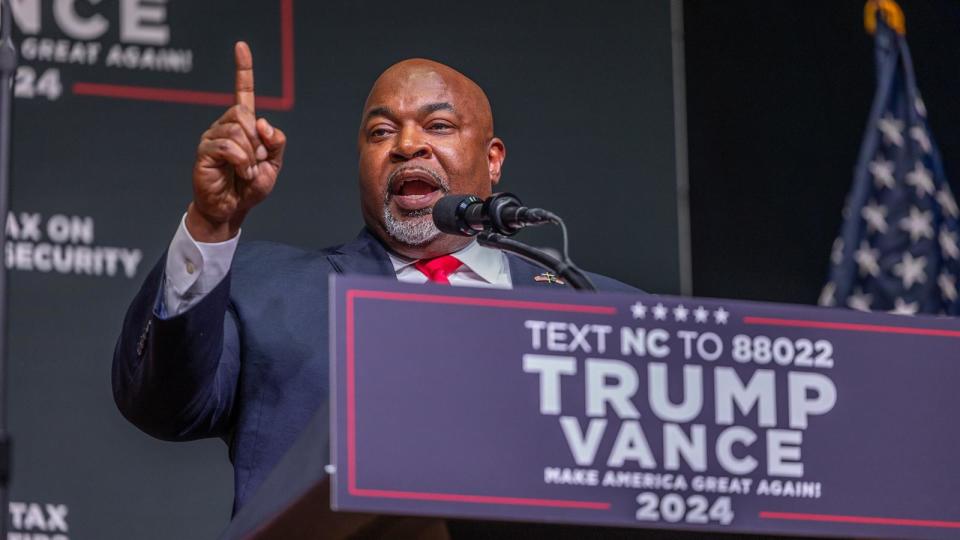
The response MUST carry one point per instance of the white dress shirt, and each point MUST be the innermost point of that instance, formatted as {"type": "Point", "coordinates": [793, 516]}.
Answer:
{"type": "Point", "coordinates": [193, 269]}
{"type": "Point", "coordinates": [482, 267]}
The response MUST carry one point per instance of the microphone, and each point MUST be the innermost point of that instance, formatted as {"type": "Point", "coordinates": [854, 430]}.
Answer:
{"type": "Point", "coordinates": [503, 213]}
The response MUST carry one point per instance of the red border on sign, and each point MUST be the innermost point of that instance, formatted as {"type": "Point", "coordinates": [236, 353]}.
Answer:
{"type": "Point", "coordinates": [866, 520]}
{"type": "Point", "coordinates": [222, 99]}
{"type": "Point", "coordinates": [852, 327]}
{"type": "Point", "coordinates": [351, 296]}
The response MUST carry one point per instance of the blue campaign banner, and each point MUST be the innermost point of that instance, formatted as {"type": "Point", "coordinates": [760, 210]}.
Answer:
{"type": "Point", "coordinates": [644, 411]}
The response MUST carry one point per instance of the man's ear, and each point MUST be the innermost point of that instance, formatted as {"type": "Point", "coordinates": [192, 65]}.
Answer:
{"type": "Point", "coordinates": [496, 153]}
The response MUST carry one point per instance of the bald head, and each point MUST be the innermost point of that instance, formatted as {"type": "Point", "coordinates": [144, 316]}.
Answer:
{"type": "Point", "coordinates": [419, 75]}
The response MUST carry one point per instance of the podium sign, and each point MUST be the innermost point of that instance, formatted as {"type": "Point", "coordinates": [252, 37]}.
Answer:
{"type": "Point", "coordinates": [644, 411]}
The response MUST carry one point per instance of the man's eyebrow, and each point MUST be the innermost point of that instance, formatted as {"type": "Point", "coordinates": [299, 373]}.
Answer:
{"type": "Point", "coordinates": [426, 109]}
{"type": "Point", "coordinates": [379, 111]}
{"type": "Point", "coordinates": [434, 107]}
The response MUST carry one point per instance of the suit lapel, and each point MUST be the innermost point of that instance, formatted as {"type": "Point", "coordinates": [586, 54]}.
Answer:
{"type": "Point", "coordinates": [364, 255]}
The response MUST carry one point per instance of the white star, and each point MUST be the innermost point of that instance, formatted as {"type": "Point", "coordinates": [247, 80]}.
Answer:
{"type": "Point", "coordinates": [947, 202]}
{"type": "Point", "coordinates": [680, 313]}
{"type": "Point", "coordinates": [876, 216]}
{"type": "Point", "coordinates": [836, 252]}
{"type": "Point", "coordinates": [920, 178]}
{"type": "Point", "coordinates": [882, 171]}
{"type": "Point", "coordinates": [826, 296]}
{"type": "Point", "coordinates": [660, 312]}
{"type": "Point", "coordinates": [860, 300]}
{"type": "Point", "coordinates": [948, 286]}
{"type": "Point", "coordinates": [639, 310]}
{"type": "Point", "coordinates": [918, 224]}
{"type": "Point", "coordinates": [901, 307]}
{"type": "Point", "coordinates": [721, 315]}
{"type": "Point", "coordinates": [892, 129]}
{"type": "Point", "coordinates": [920, 107]}
{"type": "Point", "coordinates": [701, 315]}
{"type": "Point", "coordinates": [911, 270]}
{"type": "Point", "coordinates": [919, 134]}
{"type": "Point", "coordinates": [866, 258]}
{"type": "Point", "coordinates": [948, 244]}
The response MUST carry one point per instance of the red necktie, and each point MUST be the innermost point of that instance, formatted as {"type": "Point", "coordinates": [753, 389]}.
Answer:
{"type": "Point", "coordinates": [438, 269]}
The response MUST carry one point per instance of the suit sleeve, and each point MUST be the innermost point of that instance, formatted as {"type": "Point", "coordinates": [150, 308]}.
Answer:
{"type": "Point", "coordinates": [176, 378]}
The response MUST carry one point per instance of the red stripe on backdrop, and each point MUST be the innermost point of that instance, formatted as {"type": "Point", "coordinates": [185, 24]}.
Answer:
{"type": "Point", "coordinates": [284, 102]}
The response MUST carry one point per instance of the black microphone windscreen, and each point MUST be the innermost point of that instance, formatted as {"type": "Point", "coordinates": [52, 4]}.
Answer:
{"type": "Point", "coordinates": [447, 213]}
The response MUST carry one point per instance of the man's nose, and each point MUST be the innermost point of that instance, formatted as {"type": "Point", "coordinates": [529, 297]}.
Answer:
{"type": "Point", "coordinates": [410, 144]}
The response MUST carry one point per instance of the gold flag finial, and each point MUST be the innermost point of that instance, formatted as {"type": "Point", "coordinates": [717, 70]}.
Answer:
{"type": "Point", "coordinates": [891, 13]}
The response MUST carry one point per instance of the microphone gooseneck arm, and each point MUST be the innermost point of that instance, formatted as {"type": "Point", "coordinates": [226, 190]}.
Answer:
{"type": "Point", "coordinates": [501, 215]}
{"type": "Point", "coordinates": [564, 269]}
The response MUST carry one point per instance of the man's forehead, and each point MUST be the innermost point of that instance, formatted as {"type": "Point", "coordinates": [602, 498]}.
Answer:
{"type": "Point", "coordinates": [412, 93]}
{"type": "Point", "coordinates": [413, 84]}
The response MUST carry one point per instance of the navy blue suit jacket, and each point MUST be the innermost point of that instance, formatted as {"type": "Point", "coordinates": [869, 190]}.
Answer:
{"type": "Point", "coordinates": [248, 363]}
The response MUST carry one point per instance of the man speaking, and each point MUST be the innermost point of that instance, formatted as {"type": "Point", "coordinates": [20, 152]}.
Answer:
{"type": "Point", "coordinates": [230, 340]}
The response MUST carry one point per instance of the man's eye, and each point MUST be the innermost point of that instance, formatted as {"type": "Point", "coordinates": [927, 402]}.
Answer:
{"type": "Point", "coordinates": [379, 132]}
{"type": "Point", "coordinates": [439, 126]}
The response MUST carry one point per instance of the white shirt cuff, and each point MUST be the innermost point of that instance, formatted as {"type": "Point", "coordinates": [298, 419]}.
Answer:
{"type": "Point", "coordinates": [193, 269]}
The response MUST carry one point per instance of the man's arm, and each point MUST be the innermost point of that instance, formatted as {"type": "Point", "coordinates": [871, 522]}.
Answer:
{"type": "Point", "coordinates": [177, 363]}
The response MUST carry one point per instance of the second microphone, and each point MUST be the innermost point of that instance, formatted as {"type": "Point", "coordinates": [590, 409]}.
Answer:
{"type": "Point", "coordinates": [503, 213]}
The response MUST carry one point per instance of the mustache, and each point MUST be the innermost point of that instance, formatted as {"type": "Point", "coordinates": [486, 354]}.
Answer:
{"type": "Point", "coordinates": [441, 182]}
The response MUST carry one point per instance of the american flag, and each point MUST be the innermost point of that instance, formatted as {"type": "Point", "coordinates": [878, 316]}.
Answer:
{"type": "Point", "coordinates": [898, 246]}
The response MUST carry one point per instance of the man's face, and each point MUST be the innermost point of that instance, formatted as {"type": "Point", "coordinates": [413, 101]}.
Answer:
{"type": "Point", "coordinates": [426, 132]}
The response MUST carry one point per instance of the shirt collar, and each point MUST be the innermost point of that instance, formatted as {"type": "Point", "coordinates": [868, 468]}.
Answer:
{"type": "Point", "coordinates": [485, 262]}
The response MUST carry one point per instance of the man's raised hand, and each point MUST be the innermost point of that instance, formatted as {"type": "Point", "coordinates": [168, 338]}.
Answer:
{"type": "Point", "coordinates": [237, 163]}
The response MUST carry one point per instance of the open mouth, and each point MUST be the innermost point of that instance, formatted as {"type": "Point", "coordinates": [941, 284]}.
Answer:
{"type": "Point", "coordinates": [415, 188]}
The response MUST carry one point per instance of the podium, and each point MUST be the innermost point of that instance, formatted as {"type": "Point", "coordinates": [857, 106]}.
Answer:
{"type": "Point", "coordinates": [686, 417]}
{"type": "Point", "coordinates": [294, 504]}
{"type": "Point", "coordinates": [294, 501]}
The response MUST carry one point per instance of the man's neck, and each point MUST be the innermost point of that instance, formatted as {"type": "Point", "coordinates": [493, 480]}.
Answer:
{"type": "Point", "coordinates": [443, 244]}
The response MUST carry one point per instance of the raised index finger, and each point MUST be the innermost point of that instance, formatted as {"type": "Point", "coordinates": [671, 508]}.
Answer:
{"type": "Point", "coordinates": [244, 86]}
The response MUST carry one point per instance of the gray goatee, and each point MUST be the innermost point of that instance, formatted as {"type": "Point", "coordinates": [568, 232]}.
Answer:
{"type": "Point", "coordinates": [413, 228]}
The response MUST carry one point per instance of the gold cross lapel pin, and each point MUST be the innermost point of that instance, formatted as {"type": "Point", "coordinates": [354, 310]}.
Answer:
{"type": "Point", "coordinates": [549, 277]}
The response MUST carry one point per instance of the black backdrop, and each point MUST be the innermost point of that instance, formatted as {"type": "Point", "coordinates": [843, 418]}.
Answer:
{"type": "Point", "coordinates": [582, 98]}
